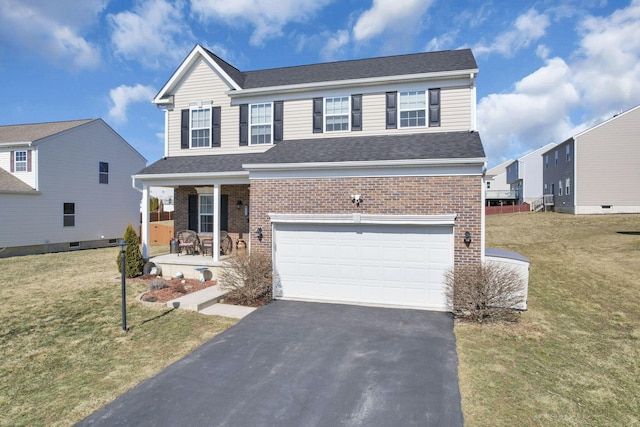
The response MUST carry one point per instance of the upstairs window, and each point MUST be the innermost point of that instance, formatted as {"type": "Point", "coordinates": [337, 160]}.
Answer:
{"type": "Point", "coordinates": [20, 161]}
{"type": "Point", "coordinates": [200, 127]}
{"type": "Point", "coordinates": [568, 150]}
{"type": "Point", "coordinates": [103, 173]}
{"type": "Point", "coordinates": [69, 215]}
{"type": "Point", "coordinates": [546, 161]}
{"type": "Point", "coordinates": [413, 109]}
{"type": "Point", "coordinates": [556, 157]}
{"type": "Point", "coordinates": [260, 123]}
{"type": "Point", "coordinates": [337, 114]}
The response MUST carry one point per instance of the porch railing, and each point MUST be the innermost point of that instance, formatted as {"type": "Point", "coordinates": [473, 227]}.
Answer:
{"type": "Point", "coordinates": [501, 194]}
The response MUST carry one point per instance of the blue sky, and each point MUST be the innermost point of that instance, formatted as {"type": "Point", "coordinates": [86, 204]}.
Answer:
{"type": "Point", "coordinates": [548, 69]}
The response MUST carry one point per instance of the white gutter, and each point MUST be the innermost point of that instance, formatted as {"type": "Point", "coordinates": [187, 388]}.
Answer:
{"type": "Point", "coordinates": [182, 176]}
{"type": "Point", "coordinates": [334, 84]}
{"type": "Point", "coordinates": [17, 144]}
{"type": "Point", "coordinates": [366, 164]}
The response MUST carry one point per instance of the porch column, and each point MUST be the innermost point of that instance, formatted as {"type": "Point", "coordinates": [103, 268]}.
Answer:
{"type": "Point", "coordinates": [145, 221]}
{"type": "Point", "coordinates": [215, 248]}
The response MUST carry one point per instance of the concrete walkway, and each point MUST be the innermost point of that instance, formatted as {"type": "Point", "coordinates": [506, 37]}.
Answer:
{"type": "Point", "coordinates": [306, 364]}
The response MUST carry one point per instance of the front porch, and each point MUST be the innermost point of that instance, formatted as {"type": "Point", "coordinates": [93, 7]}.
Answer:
{"type": "Point", "coordinates": [169, 265]}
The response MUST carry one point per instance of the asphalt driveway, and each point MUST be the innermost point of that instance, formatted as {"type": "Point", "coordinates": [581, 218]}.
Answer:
{"type": "Point", "coordinates": [307, 364]}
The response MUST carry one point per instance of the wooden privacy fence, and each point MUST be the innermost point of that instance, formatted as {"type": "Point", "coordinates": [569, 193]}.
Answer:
{"type": "Point", "coordinates": [159, 216]}
{"type": "Point", "coordinates": [494, 210]}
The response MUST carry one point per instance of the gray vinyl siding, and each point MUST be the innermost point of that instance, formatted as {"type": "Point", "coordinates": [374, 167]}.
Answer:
{"type": "Point", "coordinates": [608, 172]}
{"type": "Point", "coordinates": [68, 171]}
{"type": "Point", "coordinates": [560, 172]}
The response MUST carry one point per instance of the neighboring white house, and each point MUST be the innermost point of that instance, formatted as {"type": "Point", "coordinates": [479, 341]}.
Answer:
{"type": "Point", "coordinates": [65, 186]}
{"type": "Point", "coordinates": [596, 171]}
{"type": "Point", "coordinates": [524, 175]}
{"type": "Point", "coordinates": [498, 192]}
{"type": "Point", "coordinates": [164, 195]}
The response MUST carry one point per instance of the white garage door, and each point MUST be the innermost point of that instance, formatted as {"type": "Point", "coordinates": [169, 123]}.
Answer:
{"type": "Point", "coordinates": [400, 265]}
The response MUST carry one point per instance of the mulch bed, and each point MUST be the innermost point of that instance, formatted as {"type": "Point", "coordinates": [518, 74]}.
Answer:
{"type": "Point", "coordinates": [177, 287]}
{"type": "Point", "coordinates": [181, 287]}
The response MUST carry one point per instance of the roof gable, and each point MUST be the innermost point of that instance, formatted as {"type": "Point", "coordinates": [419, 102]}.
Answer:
{"type": "Point", "coordinates": [36, 131]}
{"type": "Point", "coordinates": [410, 65]}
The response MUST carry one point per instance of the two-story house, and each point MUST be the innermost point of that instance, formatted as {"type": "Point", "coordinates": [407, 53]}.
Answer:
{"type": "Point", "coordinates": [362, 179]}
{"type": "Point", "coordinates": [65, 186]}
{"type": "Point", "coordinates": [596, 171]}
{"type": "Point", "coordinates": [498, 192]}
{"type": "Point", "coordinates": [524, 175]}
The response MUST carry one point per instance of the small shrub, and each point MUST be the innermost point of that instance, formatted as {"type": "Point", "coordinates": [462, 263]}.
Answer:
{"type": "Point", "coordinates": [133, 256]}
{"type": "Point", "coordinates": [150, 298]}
{"type": "Point", "coordinates": [484, 292]}
{"type": "Point", "coordinates": [247, 278]}
{"type": "Point", "coordinates": [157, 284]}
{"type": "Point", "coordinates": [180, 288]}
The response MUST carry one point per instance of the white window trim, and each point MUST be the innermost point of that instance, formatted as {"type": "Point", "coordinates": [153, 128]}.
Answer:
{"type": "Point", "coordinates": [556, 157]}
{"type": "Point", "coordinates": [568, 151]}
{"type": "Point", "coordinates": [426, 109]}
{"type": "Point", "coordinates": [270, 124]}
{"type": "Point", "coordinates": [200, 213]}
{"type": "Point", "coordinates": [568, 187]}
{"type": "Point", "coordinates": [21, 162]}
{"type": "Point", "coordinates": [192, 108]}
{"type": "Point", "coordinates": [324, 119]}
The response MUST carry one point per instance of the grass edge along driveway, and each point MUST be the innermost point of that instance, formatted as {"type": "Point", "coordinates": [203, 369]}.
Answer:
{"type": "Point", "coordinates": [63, 352]}
{"type": "Point", "coordinates": [573, 360]}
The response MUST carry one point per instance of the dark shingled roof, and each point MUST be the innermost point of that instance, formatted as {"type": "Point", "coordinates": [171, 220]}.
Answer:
{"type": "Point", "coordinates": [8, 182]}
{"type": "Point", "coordinates": [201, 164]}
{"type": "Point", "coordinates": [443, 145]}
{"type": "Point", "coordinates": [417, 63]}
{"type": "Point", "coordinates": [36, 131]}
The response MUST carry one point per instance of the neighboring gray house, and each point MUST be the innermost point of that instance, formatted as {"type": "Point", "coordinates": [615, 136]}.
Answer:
{"type": "Point", "coordinates": [596, 171]}
{"type": "Point", "coordinates": [498, 192]}
{"type": "Point", "coordinates": [524, 175]}
{"type": "Point", "coordinates": [65, 186]}
{"type": "Point", "coordinates": [362, 180]}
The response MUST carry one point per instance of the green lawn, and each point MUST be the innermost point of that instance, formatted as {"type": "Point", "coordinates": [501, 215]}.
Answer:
{"type": "Point", "coordinates": [574, 358]}
{"type": "Point", "coordinates": [63, 353]}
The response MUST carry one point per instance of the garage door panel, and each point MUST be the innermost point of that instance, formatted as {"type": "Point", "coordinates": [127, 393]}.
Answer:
{"type": "Point", "coordinates": [371, 264]}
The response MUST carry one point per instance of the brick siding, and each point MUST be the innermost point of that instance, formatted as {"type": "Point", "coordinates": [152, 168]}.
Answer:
{"type": "Point", "coordinates": [461, 195]}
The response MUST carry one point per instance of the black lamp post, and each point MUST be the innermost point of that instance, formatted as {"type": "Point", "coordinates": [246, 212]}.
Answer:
{"type": "Point", "coordinates": [123, 268]}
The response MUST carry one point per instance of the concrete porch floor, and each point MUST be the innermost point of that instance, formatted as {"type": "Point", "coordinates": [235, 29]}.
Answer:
{"type": "Point", "coordinates": [171, 264]}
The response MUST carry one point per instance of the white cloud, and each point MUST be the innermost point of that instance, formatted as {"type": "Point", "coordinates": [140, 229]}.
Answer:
{"type": "Point", "coordinates": [393, 15]}
{"type": "Point", "coordinates": [445, 41]}
{"type": "Point", "coordinates": [608, 63]}
{"type": "Point", "coordinates": [51, 31]}
{"type": "Point", "coordinates": [535, 113]}
{"type": "Point", "coordinates": [528, 28]}
{"type": "Point", "coordinates": [564, 97]}
{"type": "Point", "coordinates": [334, 45]}
{"type": "Point", "coordinates": [153, 33]}
{"type": "Point", "coordinates": [123, 96]}
{"type": "Point", "coordinates": [268, 17]}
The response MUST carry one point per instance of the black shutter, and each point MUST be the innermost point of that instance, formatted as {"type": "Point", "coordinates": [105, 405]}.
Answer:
{"type": "Point", "coordinates": [434, 107]}
{"type": "Point", "coordinates": [193, 212]}
{"type": "Point", "coordinates": [317, 114]}
{"type": "Point", "coordinates": [356, 112]}
{"type": "Point", "coordinates": [184, 129]}
{"type": "Point", "coordinates": [215, 126]}
{"type": "Point", "coordinates": [277, 121]}
{"type": "Point", "coordinates": [244, 124]}
{"type": "Point", "coordinates": [224, 212]}
{"type": "Point", "coordinates": [391, 110]}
